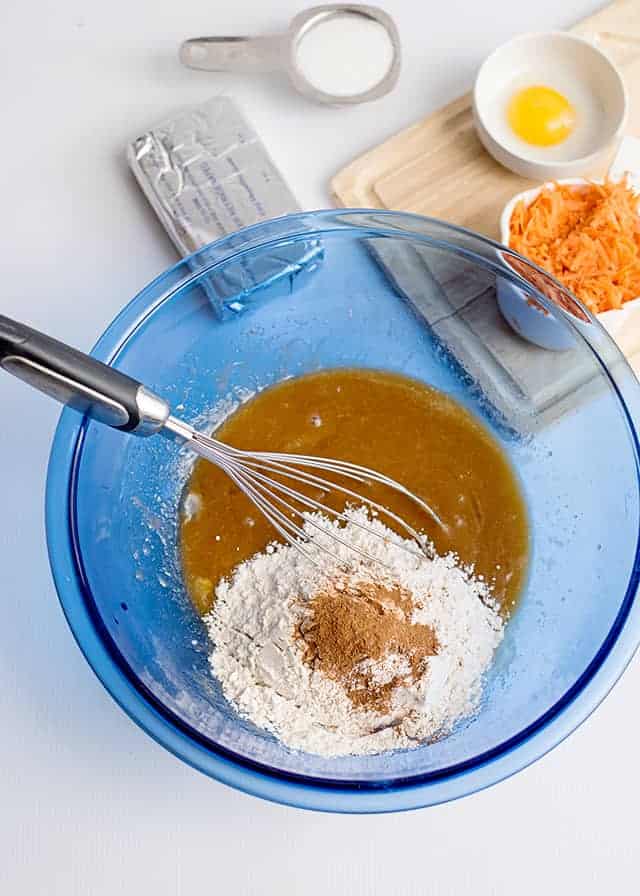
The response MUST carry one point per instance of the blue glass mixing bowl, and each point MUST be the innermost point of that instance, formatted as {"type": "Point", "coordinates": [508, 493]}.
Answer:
{"type": "Point", "coordinates": [358, 289]}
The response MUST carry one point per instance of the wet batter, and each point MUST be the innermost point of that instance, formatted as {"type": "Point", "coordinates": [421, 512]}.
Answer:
{"type": "Point", "coordinates": [398, 426]}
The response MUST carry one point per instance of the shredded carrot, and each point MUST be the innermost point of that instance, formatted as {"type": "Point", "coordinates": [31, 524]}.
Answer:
{"type": "Point", "coordinates": [587, 237]}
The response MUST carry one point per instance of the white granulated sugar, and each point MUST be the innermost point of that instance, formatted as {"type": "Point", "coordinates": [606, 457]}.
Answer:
{"type": "Point", "coordinates": [192, 506]}
{"type": "Point", "coordinates": [345, 54]}
{"type": "Point", "coordinates": [259, 660]}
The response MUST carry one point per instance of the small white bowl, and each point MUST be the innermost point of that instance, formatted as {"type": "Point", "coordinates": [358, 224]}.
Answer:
{"type": "Point", "coordinates": [574, 67]}
{"type": "Point", "coordinates": [540, 327]}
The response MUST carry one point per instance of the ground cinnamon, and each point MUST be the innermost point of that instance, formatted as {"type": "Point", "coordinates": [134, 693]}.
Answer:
{"type": "Point", "coordinates": [362, 636]}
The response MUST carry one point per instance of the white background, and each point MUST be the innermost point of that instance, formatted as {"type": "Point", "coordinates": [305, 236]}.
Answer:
{"type": "Point", "coordinates": [89, 805]}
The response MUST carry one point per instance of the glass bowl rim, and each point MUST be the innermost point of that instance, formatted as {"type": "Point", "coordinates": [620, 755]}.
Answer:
{"type": "Point", "coordinates": [238, 771]}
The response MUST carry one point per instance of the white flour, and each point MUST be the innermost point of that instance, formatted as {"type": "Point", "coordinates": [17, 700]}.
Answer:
{"type": "Point", "coordinates": [259, 661]}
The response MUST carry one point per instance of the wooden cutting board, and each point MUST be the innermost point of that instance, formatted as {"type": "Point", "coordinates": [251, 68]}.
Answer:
{"type": "Point", "coordinates": [439, 168]}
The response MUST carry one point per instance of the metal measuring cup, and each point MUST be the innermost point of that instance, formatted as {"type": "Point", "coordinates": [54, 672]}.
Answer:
{"type": "Point", "coordinates": [277, 52]}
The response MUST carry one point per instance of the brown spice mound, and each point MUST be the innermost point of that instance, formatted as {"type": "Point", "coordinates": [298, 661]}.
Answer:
{"type": "Point", "coordinates": [348, 625]}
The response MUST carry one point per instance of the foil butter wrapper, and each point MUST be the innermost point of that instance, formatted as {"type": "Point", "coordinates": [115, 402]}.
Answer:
{"type": "Point", "coordinates": [207, 174]}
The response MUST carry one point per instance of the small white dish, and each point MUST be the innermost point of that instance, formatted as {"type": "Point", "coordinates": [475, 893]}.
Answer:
{"type": "Point", "coordinates": [575, 68]}
{"type": "Point", "coordinates": [539, 326]}
{"type": "Point", "coordinates": [530, 320]}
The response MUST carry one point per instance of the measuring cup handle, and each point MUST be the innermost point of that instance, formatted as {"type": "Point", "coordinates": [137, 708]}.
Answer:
{"type": "Point", "coordinates": [235, 54]}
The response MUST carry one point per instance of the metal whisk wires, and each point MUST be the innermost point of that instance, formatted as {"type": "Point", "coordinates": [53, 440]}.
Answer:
{"type": "Point", "coordinates": [267, 479]}
{"type": "Point", "coordinates": [115, 399]}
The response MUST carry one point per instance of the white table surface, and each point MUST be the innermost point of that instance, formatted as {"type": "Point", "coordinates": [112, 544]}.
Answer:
{"type": "Point", "coordinates": [89, 805]}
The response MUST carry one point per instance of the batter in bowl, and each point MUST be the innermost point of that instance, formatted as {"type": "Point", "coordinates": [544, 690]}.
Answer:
{"type": "Point", "coordinates": [399, 426]}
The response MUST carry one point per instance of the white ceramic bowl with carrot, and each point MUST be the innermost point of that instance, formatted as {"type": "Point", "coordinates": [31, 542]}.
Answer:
{"type": "Point", "coordinates": [536, 324]}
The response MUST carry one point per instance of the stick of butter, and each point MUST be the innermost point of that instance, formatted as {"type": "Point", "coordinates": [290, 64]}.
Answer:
{"type": "Point", "coordinates": [206, 173]}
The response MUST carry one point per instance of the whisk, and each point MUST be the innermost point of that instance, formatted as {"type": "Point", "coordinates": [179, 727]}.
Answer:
{"type": "Point", "coordinates": [266, 478]}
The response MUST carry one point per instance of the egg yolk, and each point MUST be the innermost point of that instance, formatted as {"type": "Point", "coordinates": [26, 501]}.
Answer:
{"type": "Point", "coordinates": [541, 116]}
